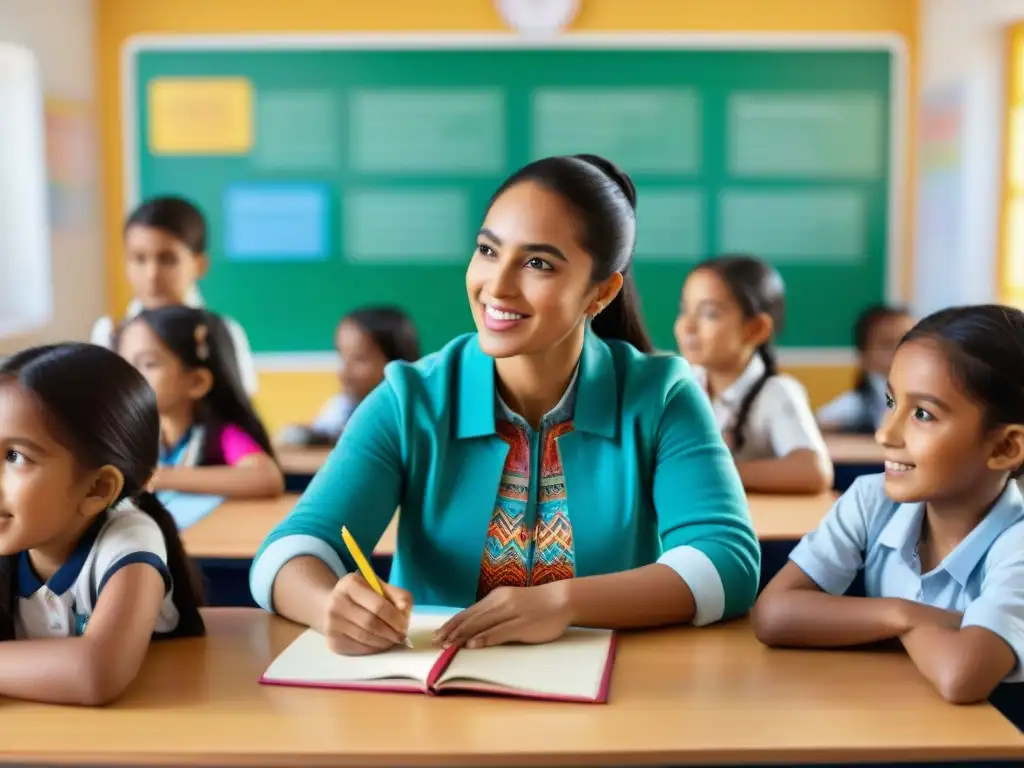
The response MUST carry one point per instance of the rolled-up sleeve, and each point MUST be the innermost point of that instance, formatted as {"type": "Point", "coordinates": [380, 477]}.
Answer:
{"type": "Point", "coordinates": [1000, 606]}
{"type": "Point", "coordinates": [706, 532]}
{"type": "Point", "coordinates": [833, 552]}
{"type": "Point", "coordinates": [358, 487]}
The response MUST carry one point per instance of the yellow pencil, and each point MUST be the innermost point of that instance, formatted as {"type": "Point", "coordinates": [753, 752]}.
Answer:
{"type": "Point", "coordinates": [365, 568]}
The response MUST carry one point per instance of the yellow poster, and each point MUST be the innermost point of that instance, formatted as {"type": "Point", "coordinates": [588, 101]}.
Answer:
{"type": "Point", "coordinates": [200, 116]}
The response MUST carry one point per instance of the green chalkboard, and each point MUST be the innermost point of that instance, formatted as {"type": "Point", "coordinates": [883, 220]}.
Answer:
{"type": "Point", "coordinates": [365, 171]}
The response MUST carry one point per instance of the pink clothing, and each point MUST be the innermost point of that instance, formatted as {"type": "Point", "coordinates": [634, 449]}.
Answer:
{"type": "Point", "coordinates": [236, 445]}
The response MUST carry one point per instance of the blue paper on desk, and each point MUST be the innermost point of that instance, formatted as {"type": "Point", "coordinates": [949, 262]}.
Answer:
{"type": "Point", "coordinates": [188, 508]}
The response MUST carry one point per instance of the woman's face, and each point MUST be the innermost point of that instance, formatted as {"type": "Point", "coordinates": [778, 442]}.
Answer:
{"type": "Point", "coordinates": [529, 281]}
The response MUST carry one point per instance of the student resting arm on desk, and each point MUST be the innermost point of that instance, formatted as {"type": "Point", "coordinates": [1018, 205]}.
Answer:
{"type": "Point", "coordinates": [91, 566]}
{"type": "Point", "coordinates": [550, 472]}
{"type": "Point", "coordinates": [732, 307]}
{"type": "Point", "coordinates": [940, 536]}
{"type": "Point", "coordinates": [212, 441]}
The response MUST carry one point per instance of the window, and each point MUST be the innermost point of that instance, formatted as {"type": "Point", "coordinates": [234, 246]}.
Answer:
{"type": "Point", "coordinates": [1011, 259]}
{"type": "Point", "coordinates": [25, 289]}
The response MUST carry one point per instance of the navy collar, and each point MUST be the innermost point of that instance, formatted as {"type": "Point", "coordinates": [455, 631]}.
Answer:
{"type": "Point", "coordinates": [29, 582]}
{"type": "Point", "coordinates": [170, 457]}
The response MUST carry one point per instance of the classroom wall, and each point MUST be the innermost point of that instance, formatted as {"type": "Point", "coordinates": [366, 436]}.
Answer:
{"type": "Point", "coordinates": [963, 63]}
{"type": "Point", "coordinates": [287, 396]}
{"type": "Point", "coordinates": [63, 43]}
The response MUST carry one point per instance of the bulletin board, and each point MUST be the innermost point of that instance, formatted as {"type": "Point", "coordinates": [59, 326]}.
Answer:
{"type": "Point", "coordinates": [338, 172]}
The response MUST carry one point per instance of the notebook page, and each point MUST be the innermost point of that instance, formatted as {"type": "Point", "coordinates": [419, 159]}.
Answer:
{"type": "Point", "coordinates": [309, 660]}
{"type": "Point", "coordinates": [572, 666]}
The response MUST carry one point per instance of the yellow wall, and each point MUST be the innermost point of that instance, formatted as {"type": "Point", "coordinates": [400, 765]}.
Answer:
{"type": "Point", "coordinates": [1010, 275]}
{"type": "Point", "coordinates": [286, 397]}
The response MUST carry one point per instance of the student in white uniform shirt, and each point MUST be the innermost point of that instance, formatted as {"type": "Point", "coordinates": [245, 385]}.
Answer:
{"type": "Point", "coordinates": [939, 536]}
{"type": "Point", "coordinates": [732, 307]}
{"type": "Point", "coordinates": [91, 565]}
{"type": "Point", "coordinates": [876, 335]}
{"type": "Point", "coordinates": [165, 241]}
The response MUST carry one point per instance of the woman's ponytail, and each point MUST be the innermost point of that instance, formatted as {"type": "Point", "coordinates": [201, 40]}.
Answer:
{"type": "Point", "coordinates": [622, 318]}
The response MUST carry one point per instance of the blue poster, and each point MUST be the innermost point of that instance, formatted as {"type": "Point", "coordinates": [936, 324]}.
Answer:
{"type": "Point", "coordinates": [276, 222]}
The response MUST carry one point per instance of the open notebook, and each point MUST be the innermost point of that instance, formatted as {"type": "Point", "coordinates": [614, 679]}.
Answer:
{"type": "Point", "coordinates": [577, 667]}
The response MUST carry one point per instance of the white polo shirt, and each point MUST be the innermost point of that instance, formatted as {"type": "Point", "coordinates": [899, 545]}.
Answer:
{"type": "Point", "coordinates": [62, 606]}
{"type": "Point", "coordinates": [779, 421]}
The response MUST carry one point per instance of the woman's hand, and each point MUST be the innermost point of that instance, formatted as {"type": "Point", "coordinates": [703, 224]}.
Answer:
{"type": "Point", "coordinates": [361, 622]}
{"type": "Point", "coordinates": [511, 615]}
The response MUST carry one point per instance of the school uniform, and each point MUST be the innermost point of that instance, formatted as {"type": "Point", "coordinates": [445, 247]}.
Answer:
{"type": "Point", "coordinates": [63, 605]}
{"type": "Point", "coordinates": [983, 577]}
{"type": "Point", "coordinates": [860, 411]}
{"type": "Point", "coordinates": [104, 328]}
{"type": "Point", "coordinates": [779, 421]}
{"type": "Point", "coordinates": [627, 470]}
{"type": "Point", "coordinates": [334, 416]}
{"type": "Point", "coordinates": [230, 446]}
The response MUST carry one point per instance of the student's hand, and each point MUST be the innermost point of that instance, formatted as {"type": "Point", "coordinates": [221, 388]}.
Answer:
{"type": "Point", "coordinates": [918, 615]}
{"type": "Point", "coordinates": [510, 615]}
{"type": "Point", "coordinates": [360, 622]}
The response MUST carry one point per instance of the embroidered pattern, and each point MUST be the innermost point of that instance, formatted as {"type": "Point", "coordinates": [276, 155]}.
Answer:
{"type": "Point", "coordinates": [511, 545]}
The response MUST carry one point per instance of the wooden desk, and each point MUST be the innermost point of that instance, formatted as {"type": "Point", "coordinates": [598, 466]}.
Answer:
{"type": "Point", "coordinates": [684, 696]}
{"type": "Point", "coordinates": [787, 518]}
{"type": "Point", "coordinates": [854, 449]}
{"type": "Point", "coordinates": [237, 528]}
{"type": "Point", "coordinates": [302, 461]}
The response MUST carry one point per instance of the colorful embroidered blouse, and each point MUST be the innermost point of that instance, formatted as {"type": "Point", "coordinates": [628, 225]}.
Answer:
{"type": "Point", "coordinates": [529, 541]}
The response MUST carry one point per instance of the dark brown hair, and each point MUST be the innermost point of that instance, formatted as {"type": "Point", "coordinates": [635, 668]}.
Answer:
{"type": "Point", "coordinates": [104, 412]}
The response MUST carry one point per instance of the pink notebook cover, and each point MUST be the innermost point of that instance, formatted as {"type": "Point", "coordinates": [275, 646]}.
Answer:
{"type": "Point", "coordinates": [442, 664]}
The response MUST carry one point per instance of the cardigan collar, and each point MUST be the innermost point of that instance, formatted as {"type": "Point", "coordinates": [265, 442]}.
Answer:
{"type": "Point", "coordinates": [597, 402]}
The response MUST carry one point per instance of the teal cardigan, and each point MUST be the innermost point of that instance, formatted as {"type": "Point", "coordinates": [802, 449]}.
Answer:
{"type": "Point", "coordinates": [647, 475]}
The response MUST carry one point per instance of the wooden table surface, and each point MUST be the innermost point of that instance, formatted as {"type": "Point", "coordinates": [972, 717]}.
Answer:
{"type": "Point", "coordinates": [854, 449]}
{"type": "Point", "coordinates": [683, 696]}
{"type": "Point", "coordinates": [237, 528]}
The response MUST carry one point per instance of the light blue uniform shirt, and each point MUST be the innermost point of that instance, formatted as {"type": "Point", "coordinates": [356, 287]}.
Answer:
{"type": "Point", "coordinates": [983, 577]}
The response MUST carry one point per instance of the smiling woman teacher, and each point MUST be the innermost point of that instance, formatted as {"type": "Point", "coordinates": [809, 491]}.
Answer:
{"type": "Point", "coordinates": [550, 471]}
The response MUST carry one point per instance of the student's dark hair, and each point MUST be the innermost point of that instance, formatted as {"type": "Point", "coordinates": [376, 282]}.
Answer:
{"type": "Point", "coordinates": [391, 330]}
{"type": "Point", "coordinates": [604, 199]}
{"type": "Point", "coordinates": [174, 215]}
{"type": "Point", "coordinates": [984, 347]}
{"type": "Point", "coordinates": [104, 412]}
{"type": "Point", "coordinates": [200, 339]}
{"type": "Point", "coordinates": [866, 321]}
{"type": "Point", "coordinates": [758, 289]}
